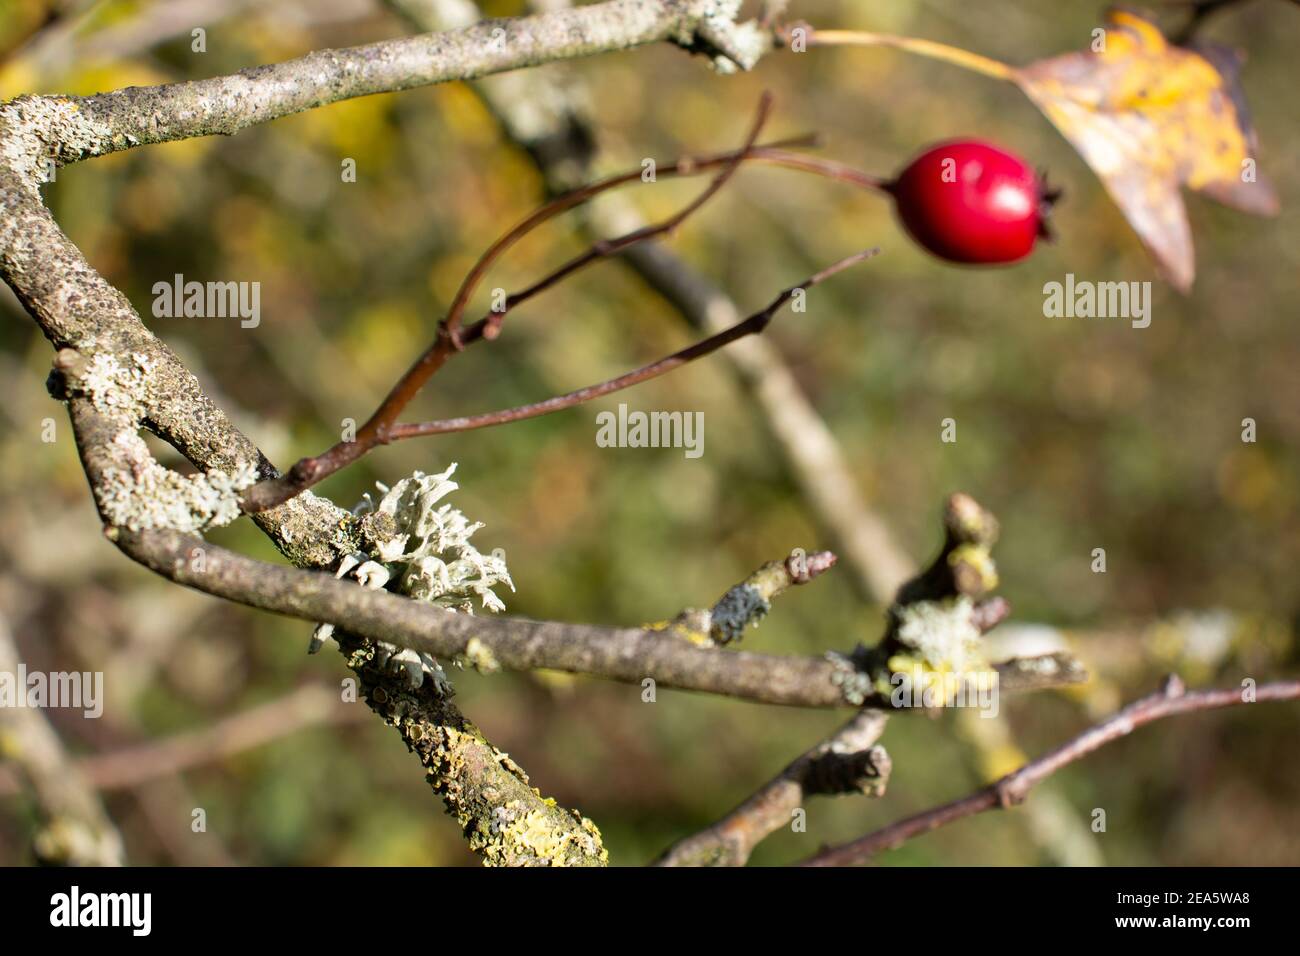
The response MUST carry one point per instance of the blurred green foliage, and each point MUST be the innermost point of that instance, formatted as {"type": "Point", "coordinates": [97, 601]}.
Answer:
{"type": "Point", "coordinates": [1077, 433]}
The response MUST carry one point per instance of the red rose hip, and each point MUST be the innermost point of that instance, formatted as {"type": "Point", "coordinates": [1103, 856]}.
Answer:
{"type": "Point", "coordinates": [969, 201]}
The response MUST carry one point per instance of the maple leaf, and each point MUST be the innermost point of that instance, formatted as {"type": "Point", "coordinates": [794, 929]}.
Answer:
{"type": "Point", "coordinates": [1150, 117]}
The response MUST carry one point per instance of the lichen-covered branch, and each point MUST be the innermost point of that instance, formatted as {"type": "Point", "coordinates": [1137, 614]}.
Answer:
{"type": "Point", "coordinates": [849, 761]}
{"type": "Point", "coordinates": [748, 602]}
{"type": "Point", "coordinates": [69, 129]}
{"type": "Point", "coordinates": [624, 654]}
{"type": "Point", "coordinates": [1172, 699]}
{"type": "Point", "coordinates": [504, 819]}
{"type": "Point", "coordinates": [665, 655]}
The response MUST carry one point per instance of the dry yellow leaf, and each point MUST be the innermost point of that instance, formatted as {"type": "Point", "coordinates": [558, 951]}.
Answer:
{"type": "Point", "coordinates": [1150, 117]}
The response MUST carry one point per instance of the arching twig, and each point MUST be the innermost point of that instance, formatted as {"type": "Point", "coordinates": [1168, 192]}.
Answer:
{"type": "Point", "coordinates": [1172, 699]}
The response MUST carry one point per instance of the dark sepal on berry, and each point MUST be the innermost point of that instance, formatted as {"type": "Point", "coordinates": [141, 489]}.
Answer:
{"type": "Point", "coordinates": [1048, 197]}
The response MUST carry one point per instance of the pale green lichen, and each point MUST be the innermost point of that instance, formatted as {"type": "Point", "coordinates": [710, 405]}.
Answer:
{"type": "Point", "coordinates": [32, 123]}
{"type": "Point", "coordinates": [419, 546]}
{"type": "Point", "coordinates": [146, 495]}
{"type": "Point", "coordinates": [426, 546]}
{"type": "Point", "coordinates": [504, 819]}
{"type": "Point", "coordinates": [114, 388]}
{"type": "Point", "coordinates": [942, 633]}
{"type": "Point", "coordinates": [934, 645]}
{"type": "Point", "coordinates": [480, 657]}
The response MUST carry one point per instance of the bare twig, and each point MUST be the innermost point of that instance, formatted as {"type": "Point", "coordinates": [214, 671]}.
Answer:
{"type": "Point", "coordinates": [307, 706]}
{"type": "Point", "coordinates": [75, 829]}
{"type": "Point", "coordinates": [846, 762]}
{"type": "Point", "coordinates": [489, 325]}
{"type": "Point", "coordinates": [382, 427]}
{"type": "Point", "coordinates": [599, 249]}
{"type": "Point", "coordinates": [750, 326]}
{"type": "Point", "coordinates": [1170, 700]}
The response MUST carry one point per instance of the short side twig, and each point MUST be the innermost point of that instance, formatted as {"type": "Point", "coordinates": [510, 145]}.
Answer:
{"type": "Point", "coordinates": [750, 326]}
{"type": "Point", "coordinates": [381, 427]}
{"type": "Point", "coordinates": [1170, 700]}
{"type": "Point", "coordinates": [846, 762]}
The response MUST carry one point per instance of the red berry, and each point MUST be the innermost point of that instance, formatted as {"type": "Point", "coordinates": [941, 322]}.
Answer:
{"type": "Point", "coordinates": [968, 201]}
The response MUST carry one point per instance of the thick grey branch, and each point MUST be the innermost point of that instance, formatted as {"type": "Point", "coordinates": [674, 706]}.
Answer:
{"type": "Point", "coordinates": [626, 654]}
{"type": "Point", "coordinates": [74, 128]}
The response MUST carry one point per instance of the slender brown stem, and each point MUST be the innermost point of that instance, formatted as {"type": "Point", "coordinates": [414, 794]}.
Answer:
{"type": "Point", "coordinates": [753, 324]}
{"type": "Point", "coordinates": [1012, 789]}
{"type": "Point", "coordinates": [775, 153]}
{"type": "Point", "coordinates": [604, 248]}
{"type": "Point", "coordinates": [377, 429]}
{"type": "Point", "coordinates": [381, 427]}
{"type": "Point", "coordinates": [840, 172]}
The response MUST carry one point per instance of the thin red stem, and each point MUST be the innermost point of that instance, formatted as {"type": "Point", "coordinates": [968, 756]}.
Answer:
{"type": "Point", "coordinates": [754, 323]}
{"type": "Point", "coordinates": [381, 427]}
{"type": "Point", "coordinates": [475, 276]}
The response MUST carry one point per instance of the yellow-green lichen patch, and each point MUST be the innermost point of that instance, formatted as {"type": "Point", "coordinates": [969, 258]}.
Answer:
{"type": "Point", "coordinates": [503, 818]}
{"type": "Point", "coordinates": [480, 657]}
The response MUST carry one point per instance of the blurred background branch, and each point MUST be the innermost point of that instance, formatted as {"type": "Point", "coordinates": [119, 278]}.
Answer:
{"type": "Point", "coordinates": [74, 829]}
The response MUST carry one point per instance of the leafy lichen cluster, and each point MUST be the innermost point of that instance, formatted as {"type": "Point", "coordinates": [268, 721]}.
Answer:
{"type": "Point", "coordinates": [419, 545]}
{"type": "Point", "coordinates": [425, 545]}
